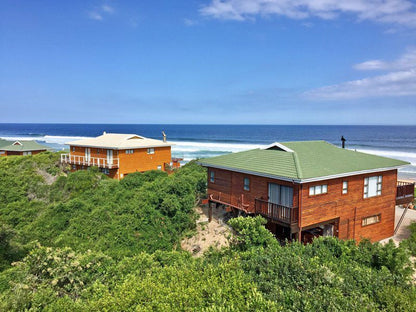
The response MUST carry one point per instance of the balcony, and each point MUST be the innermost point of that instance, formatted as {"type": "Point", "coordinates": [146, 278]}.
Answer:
{"type": "Point", "coordinates": [405, 193]}
{"type": "Point", "coordinates": [275, 212]}
{"type": "Point", "coordinates": [100, 162]}
{"type": "Point", "coordinates": [225, 199]}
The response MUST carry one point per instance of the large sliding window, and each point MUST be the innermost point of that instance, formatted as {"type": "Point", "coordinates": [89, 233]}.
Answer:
{"type": "Point", "coordinates": [281, 194]}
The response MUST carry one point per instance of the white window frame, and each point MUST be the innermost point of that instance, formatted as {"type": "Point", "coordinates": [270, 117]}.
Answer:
{"type": "Point", "coordinates": [344, 187]}
{"type": "Point", "coordinates": [368, 181]}
{"type": "Point", "coordinates": [246, 184]}
{"type": "Point", "coordinates": [151, 150]}
{"type": "Point", "coordinates": [371, 220]}
{"type": "Point", "coordinates": [130, 151]}
{"type": "Point", "coordinates": [318, 189]}
{"type": "Point", "coordinates": [159, 167]}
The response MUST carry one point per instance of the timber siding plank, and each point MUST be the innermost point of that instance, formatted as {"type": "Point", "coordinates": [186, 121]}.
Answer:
{"type": "Point", "coordinates": [334, 204]}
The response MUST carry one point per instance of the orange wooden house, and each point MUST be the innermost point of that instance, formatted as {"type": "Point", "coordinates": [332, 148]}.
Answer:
{"type": "Point", "coordinates": [117, 155]}
{"type": "Point", "coordinates": [312, 188]}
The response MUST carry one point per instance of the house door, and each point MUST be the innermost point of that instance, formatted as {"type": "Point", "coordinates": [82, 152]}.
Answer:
{"type": "Point", "coordinates": [110, 157]}
{"type": "Point", "coordinates": [280, 195]}
{"type": "Point", "coordinates": [87, 154]}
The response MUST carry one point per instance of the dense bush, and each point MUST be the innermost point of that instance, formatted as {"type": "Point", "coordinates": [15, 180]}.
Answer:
{"type": "Point", "coordinates": [86, 210]}
{"type": "Point", "coordinates": [410, 243]}
{"type": "Point", "coordinates": [83, 242]}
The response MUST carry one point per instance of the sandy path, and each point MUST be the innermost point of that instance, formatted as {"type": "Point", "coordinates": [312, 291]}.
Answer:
{"type": "Point", "coordinates": [214, 233]}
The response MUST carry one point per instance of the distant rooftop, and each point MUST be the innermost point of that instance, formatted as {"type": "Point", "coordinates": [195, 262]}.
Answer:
{"type": "Point", "coordinates": [22, 146]}
{"type": "Point", "coordinates": [119, 141]}
{"type": "Point", "coordinates": [4, 143]}
{"type": "Point", "coordinates": [302, 161]}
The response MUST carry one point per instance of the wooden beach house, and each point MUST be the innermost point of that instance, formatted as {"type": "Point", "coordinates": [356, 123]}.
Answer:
{"type": "Point", "coordinates": [22, 148]}
{"type": "Point", "coordinates": [117, 155]}
{"type": "Point", "coordinates": [311, 188]}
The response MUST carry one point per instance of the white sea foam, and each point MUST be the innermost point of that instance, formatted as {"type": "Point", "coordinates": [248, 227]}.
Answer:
{"type": "Point", "coordinates": [52, 139]}
{"type": "Point", "coordinates": [191, 150]}
{"type": "Point", "coordinates": [405, 156]}
{"type": "Point", "coordinates": [201, 147]}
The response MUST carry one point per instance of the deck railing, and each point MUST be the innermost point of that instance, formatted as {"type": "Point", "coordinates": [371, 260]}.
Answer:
{"type": "Point", "coordinates": [100, 162]}
{"type": "Point", "coordinates": [405, 192]}
{"type": "Point", "coordinates": [277, 212]}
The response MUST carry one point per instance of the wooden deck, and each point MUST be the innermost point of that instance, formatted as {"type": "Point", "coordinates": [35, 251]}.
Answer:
{"type": "Point", "coordinates": [277, 213]}
{"type": "Point", "coordinates": [405, 193]}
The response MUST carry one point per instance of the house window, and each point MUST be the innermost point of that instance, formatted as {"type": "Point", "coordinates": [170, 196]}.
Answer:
{"type": "Point", "coordinates": [345, 187]}
{"type": "Point", "coordinates": [98, 151]}
{"type": "Point", "coordinates": [73, 149]}
{"type": "Point", "coordinates": [212, 176]}
{"type": "Point", "coordinates": [246, 184]}
{"type": "Point", "coordinates": [74, 167]}
{"type": "Point", "coordinates": [151, 150]}
{"type": "Point", "coordinates": [371, 220]}
{"type": "Point", "coordinates": [318, 189]}
{"type": "Point", "coordinates": [159, 167]}
{"type": "Point", "coordinates": [130, 151]}
{"type": "Point", "coordinates": [372, 186]}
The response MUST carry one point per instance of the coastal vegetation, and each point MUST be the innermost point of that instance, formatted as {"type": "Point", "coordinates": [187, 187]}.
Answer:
{"type": "Point", "coordinates": [83, 242]}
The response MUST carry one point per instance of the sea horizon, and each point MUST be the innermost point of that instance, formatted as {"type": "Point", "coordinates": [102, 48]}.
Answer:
{"type": "Point", "coordinates": [192, 141]}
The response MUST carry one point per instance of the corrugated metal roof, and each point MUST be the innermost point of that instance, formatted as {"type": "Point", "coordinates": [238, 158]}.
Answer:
{"type": "Point", "coordinates": [119, 141]}
{"type": "Point", "coordinates": [303, 160]}
{"type": "Point", "coordinates": [4, 143]}
{"type": "Point", "coordinates": [24, 146]}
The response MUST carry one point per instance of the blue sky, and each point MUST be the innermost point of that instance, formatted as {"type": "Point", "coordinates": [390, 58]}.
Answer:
{"type": "Point", "coordinates": [208, 61]}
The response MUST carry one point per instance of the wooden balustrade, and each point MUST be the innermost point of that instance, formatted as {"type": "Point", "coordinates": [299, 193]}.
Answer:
{"type": "Point", "coordinates": [277, 212]}
{"type": "Point", "coordinates": [100, 162]}
{"type": "Point", "coordinates": [405, 192]}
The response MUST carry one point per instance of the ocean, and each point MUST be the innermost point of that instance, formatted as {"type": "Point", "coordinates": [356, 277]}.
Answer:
{"type": "Point", "coordinates": [199, 141]}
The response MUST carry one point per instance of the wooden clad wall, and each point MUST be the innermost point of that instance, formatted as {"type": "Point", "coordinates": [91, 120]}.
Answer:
{"type": "Point", "coordinates": [348, 208]}
{"type": "Point", "coordinates": [231, 186]}
{"type": "Point", "coordinates": [352, 207]}
{"type": "Point", "coordinates": [140, 160]}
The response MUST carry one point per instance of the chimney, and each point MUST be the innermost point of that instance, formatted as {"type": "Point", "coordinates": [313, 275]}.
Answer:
{"type": "Point", "coordinates": [343, 141]}
{"type": "Point", "coordinates": [164, 136]}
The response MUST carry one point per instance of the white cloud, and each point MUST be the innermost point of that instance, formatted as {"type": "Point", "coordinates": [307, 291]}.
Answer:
{"type": "Point", "coordinates": [95, 16]}
{"type": "Point", "coordinates": [98, 13]}
{"type": "Point", "coordinates": [189, 22]}
{"type": "Point", "coordinates": [107, 8]}
{"type": "Point", "coordinates": [400, 80]}
{"type": "Point", "coordinates": [407, 60]}
{"type": "Point", "coordinates": [401, 12]}
{"type": "Point", "coordinates": [400, 83]}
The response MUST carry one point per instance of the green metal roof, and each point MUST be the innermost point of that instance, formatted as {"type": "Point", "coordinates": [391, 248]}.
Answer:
{"type": "Point", "coordinates": [24, 146]}
{"type": "Point", "coordinates": [301, 160]}
{"type": "Point", "coordinates": [4, 143]}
